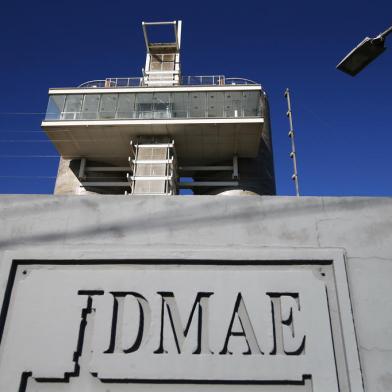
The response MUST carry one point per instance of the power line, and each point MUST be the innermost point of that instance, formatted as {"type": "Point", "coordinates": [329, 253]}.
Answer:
{"type": "Point", "coordinates": [52, 141]}
{"type": "Point", "coordinates": [53, 177]}
{"type": "Point", "coordinates": [27, 177]}
{"type": "Point", "coordinates": [21, 113]}
{"type": "Point", "coordinates": [29, 156]}
{"type": "Point", "coordinates": [24, 140]}
{"type": "Point", "coordinates": [63, 156]}
{"type": "Point", "coordinates": [22, 131]}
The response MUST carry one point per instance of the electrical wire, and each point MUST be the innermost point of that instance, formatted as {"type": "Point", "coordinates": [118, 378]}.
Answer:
{"type": "Point", "coordinates": [28, 177]}
{"type": "Point", "coordinates": [21, 113]}
{"type": "Point", "coordinates": [52, 141]}
{"type": "Point", "coordinates": [54, 177]}
{"type": "Point", "coordinates": [26, 131]}
{"type": "Point", "coordinates": [116, 157]}
{"type": "Point", "coordinates": [29, 156]}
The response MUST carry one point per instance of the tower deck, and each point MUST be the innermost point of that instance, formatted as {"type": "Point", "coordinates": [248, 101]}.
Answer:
{"type": "Point", "coordinates": [209, 123]}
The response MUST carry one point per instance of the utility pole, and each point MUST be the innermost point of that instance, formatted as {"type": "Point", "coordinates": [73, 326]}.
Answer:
{"type": "Point", "coordinates": [293, 153]}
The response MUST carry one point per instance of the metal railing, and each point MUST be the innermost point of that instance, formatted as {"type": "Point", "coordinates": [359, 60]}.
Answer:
{"type": "Point", "coordinates": [113, 82]}
{"type": "Point", "coordinates": [214, 80]}
{"type": "Point", "coordinates": [202, 80]}
{"type": "Point", "coordinates": [239, 81]}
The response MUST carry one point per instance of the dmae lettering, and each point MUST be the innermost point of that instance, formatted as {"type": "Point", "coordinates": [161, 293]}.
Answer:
{"type": "Point", "coordinates": [284, 308]}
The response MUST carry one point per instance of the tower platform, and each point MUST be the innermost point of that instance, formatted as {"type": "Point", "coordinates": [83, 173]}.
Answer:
{"type": "Point", "coordinates": [209, 124]}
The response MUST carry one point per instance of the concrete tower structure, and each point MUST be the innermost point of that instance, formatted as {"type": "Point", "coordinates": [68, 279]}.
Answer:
{"type": "Point", "coordinates": [142, 293]}
{"type": "Point", "coordinates": [142, 135]}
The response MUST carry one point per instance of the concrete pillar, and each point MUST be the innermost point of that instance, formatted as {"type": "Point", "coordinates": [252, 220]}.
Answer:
{"type": "Point", "coordinates": [67, 182]}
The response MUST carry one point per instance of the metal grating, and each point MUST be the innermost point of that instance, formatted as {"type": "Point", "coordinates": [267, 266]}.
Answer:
{"type": "Point", "coordinates": [154, 169]}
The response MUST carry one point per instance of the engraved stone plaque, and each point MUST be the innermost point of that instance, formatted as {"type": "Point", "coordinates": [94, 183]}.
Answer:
{"type": "Point", "coordinates": [137, 325]}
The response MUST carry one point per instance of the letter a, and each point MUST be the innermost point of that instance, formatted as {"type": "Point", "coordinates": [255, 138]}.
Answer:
{"type": "Point", "coordinates": [247, 330]}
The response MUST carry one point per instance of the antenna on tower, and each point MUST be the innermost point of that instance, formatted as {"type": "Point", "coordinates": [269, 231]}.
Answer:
{"type": "Point", "coordinates": [293, 153]}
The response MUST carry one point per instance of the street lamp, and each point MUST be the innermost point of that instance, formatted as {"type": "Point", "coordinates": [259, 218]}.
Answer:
{"type": "Point", "coordinates": [364, 54]}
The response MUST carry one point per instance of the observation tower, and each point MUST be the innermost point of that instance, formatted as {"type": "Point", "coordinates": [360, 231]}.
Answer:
{"type": "Point", "coordinates": [162, 132]}
{"type": "Point", "coordinates": [187, 294]}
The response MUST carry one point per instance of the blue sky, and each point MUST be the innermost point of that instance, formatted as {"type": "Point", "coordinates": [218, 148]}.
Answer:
{"type": "Point", "coordinates": [343, 124]}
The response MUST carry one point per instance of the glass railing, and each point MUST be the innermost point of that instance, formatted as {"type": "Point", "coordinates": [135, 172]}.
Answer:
{"type": "Point", "coordinates": [204, 80]}
{"type": "Point", "coordinates": [157, 105]}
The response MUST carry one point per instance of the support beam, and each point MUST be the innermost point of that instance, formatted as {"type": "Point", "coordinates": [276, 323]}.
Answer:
{"type": "Point", "coordinates": [107, 169]}
{"type": "Point", "coordinates": [235, 167]}
{"type": "Point", "coordinates": [82, 167]}
{"type": "Point", "coordinates": [107, 184]}
{"type": "Point", "coordinates": [207, 183]}
{"type": "Point", "coordinates": [205, 168]}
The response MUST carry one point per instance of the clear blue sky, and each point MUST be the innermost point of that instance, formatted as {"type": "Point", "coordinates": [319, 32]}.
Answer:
{"type": "Point", "coordinates": [343, 124]}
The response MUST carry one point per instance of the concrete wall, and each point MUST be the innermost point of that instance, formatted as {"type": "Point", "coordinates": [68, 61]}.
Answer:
{"type": "Point", "coordinates": [360, 226]}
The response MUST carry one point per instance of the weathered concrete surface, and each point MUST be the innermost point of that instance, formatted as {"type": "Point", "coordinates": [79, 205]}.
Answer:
{"type": "Point", "coordinates": [66, 182]}
{"type": "Point", "coordinates": [360, 226]}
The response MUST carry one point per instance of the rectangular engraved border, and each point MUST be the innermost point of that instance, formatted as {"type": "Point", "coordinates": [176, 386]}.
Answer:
{"type": "Point", "coordinates": [9, 260]}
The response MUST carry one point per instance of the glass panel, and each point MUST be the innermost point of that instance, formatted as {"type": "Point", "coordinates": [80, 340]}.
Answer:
{"type": "Point", "coordinates": [126, 106]}
{"type": "Point", "coordinates": [144, 105]}
{"type": "Point", "coordinates": [72, 107]}
{"type": "Point", "coordinates": [233, 105]}
{"type": "Point", "coordinates": [215, 101]}
{"type": "Point", "coordinates": [108, 106]}
{"type": "Point", "coordinates": [162, 106]}
{"type": "Point", "coordinates": [197, 104]}
{"type": "Point", "coordinates": [180, 105]}
{"type": "Point", "coordinates": [90, 107]}
{"type": "Point", "coordinates": [251, 103]}
{"type": "Point", "coordinates": [55, 107]}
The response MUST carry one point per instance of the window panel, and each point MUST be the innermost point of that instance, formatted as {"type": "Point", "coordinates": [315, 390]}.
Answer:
{"type": "Point", "coordinates": [108, 106]}
{"type": "Point", "coordinates": [126, 106]}
{"type": "Point", "coordinates": [251, 103]}
{"type": "Point", "coordinates": [180, 105]}
{"type": "Point", "coordinates": [55, 107]}
{"type": "Point", "coordinates": [90, 107]}
{"type": "Point", "coordinates": [72, 107]}
{"type": "Point", "coordinates": [144, 105]}
{"type": "Point", "coordinates": [161, 105]}
{"type": "Point", "coordinates": [233, 104]}
{"type": "Point", "coordinates": [215, 102]}
{"type": "Point", "coordinates": [197, 104]}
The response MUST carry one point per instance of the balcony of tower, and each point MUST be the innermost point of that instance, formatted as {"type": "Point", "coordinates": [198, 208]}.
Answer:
{"type": "Point", "coordinates": [211, 118]}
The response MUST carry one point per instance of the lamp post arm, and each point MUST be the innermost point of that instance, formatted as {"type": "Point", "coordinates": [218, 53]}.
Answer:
{"type": "Point", "coordinates": [382, 35]}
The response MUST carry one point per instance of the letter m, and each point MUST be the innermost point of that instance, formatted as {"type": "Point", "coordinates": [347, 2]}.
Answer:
{"type": "Point", "coordinates": [180, 333]}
